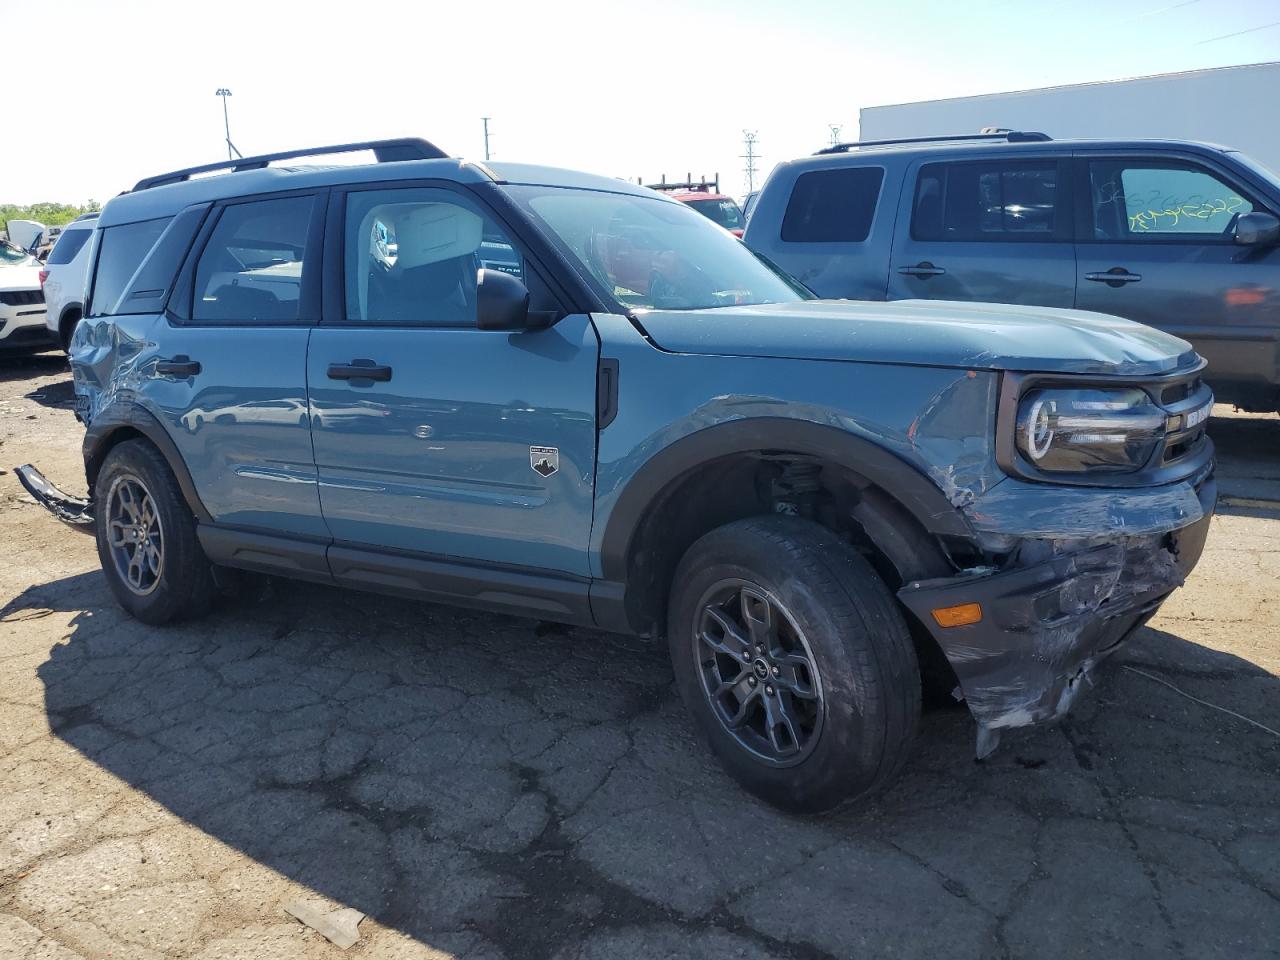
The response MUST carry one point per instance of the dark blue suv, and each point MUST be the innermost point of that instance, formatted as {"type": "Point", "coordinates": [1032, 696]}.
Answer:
{"type": "Point", "coordinates": [1177, 235]}
{"type": "Point", "coordinates": [561, 396]}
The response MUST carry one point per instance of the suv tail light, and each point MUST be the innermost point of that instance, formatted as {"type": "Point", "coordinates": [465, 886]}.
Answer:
{"type": "Point", "coordinates": [44, 275]}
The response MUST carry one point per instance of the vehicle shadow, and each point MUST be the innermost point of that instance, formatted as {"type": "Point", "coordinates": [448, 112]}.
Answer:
{"type": "Point", "coordinates": [465, 777]}
{"type": "Point", "coordinates": [1248, 456]}
{"type": "Point", "coordinates": [25, 366]}
{"type": "Point", "coordinates": [59, 394]}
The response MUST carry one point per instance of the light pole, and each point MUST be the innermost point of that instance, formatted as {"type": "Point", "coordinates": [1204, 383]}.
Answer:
{"type": "Point", "coordinates": [223, 92]}
{"type": "Point", "coordinates": [486, 137]}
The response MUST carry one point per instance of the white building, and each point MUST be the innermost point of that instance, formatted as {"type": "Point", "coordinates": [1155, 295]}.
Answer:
{"type": "Point", "coordinates": [1231, 106]}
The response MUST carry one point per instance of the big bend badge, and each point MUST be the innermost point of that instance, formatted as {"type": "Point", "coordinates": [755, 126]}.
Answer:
{"type": "Point", "coordinates": [544, 460]}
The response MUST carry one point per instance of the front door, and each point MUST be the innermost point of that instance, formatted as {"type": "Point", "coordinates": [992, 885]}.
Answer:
{"type": "Point", "coordinates": [996, 229]}
{"type": "Point", "coordinates": [458, 443]}
{"type": "Point", "coordinates": [1156, 246]}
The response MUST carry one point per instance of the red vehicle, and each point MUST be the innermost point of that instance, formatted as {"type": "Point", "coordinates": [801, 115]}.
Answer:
{"type": "Point", "coordinates": [705, 197]}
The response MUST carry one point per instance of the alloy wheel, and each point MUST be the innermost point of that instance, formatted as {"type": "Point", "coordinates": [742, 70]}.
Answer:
{"type": "Point", "coordinates": [757, 672]}
{"type": "Point", "coordinates": [135, 535]}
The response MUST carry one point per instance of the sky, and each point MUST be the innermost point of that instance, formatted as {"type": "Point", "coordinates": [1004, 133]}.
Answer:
{"type": "Point", "coordinates": [636, 90]}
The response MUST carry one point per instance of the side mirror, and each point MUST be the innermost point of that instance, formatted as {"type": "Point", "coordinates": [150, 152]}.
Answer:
{"type": "Point", "coordinates": [1257, 229]}
{"type": "Point", "coordinates": [502, 301]}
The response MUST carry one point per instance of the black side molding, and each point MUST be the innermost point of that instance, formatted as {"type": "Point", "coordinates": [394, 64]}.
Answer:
{"type": "Point", "coordinates": [502, 589]}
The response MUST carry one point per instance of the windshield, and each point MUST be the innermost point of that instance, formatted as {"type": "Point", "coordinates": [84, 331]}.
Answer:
{"type": "Point", "coordinates": [723, 212]}
{"type": "Point", "coordinates": [11, 254]}
{"type": "Point", "coordinates": [650, 252]}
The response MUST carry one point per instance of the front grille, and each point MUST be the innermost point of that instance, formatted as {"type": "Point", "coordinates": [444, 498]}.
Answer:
{"type": "Point", "coordinates": [1178, 448]}
{"type": "Point", "coordinates": [1186, 402]}
{"type": "Point", "coordinates": [1179, 391]}
{"type": "Point", "coordinates": [21, 298]}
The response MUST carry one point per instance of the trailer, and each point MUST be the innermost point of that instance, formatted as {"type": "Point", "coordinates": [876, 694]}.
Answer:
{"type": "Point", "coordinates": [1229, 106]}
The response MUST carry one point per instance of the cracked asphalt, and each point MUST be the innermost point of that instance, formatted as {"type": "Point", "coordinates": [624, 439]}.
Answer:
{"type": "Point", "coordinates": [490, 787]}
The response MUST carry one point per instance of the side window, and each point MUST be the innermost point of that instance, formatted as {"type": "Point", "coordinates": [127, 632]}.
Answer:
{"type": "Point", "coordinates": [832, 206]}
{"type": "Point", "coordinates": [68, 245]}
{"type": "Point", "coordinates": [121, 251]}
{"type": "Point", "coordinates": [1142, 199]}
{"type": "Point", "coordinates": [988, 201]}
{"type": "Point", "coordinates": [411, 256]}
{"type": "Point", "coordinates": [250, 270]}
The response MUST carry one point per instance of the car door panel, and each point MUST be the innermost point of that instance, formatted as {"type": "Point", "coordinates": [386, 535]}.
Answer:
{"type": "Point", "coordinates": [438, 460]}
{"type": "Point", "coordinates": [246, 440]}
{"type": "Point", "coordinates": [980, 245]}
{"type": "Point", "coordinates": [1162, 223]}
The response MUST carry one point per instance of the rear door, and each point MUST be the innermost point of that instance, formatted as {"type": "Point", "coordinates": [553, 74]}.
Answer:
{"type": "Point", "coordinates": [994, 229]}
{"type": "Point", "coordinates": [463, 444]}
{"type": "Point", "coordinates": [1156, 246]}
{"type": "Point", "coordinates": [232, 387]}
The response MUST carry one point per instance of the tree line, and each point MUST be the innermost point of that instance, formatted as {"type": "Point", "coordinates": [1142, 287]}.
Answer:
{"type": "Point", "coordinates": [50, 214]}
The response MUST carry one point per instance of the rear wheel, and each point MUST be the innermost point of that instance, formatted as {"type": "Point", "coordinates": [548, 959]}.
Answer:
{"type": "Point", "coordinates": [147, 539]}
{"type": "Point", "coordinates": [67, 330]}
{"type": "Point", "coordinates": [795, 662]}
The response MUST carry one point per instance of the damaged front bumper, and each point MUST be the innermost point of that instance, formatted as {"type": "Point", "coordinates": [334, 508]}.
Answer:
{"type": "Point", "coordinates": [1046, 622]}
{"type": "Point", "coordinates": [72, 511]}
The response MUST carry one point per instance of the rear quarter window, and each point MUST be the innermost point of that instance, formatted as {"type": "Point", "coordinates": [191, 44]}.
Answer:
{"type": "Point", "coordinates": [121, 251]}
{"type": "Point", "coordinates": [68, 245]}
{"type": "Point", "coordinates": [833, 206]}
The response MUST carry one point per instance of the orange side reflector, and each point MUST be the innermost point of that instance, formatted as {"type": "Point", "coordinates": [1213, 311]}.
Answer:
{"type": "Point", "coordinates": [962, 614]}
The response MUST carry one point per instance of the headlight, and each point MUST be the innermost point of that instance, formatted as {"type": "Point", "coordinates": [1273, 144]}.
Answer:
{"type": "Point", "coordinates": [1099, 431]}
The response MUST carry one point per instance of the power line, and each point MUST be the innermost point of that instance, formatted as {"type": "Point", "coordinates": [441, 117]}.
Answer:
{"type": "Point", "coordinates": [1239, 33]}
{"type": "Point", "coordinates": [834, 139]}
{"type": "Point", "coordinates": [749, 139]}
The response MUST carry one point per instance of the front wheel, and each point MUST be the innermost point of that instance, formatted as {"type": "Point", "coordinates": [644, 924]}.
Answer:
{"type": "Point", "coordinates": [795, 662]}
{"type": "Point", "coordinates": [147, 537]}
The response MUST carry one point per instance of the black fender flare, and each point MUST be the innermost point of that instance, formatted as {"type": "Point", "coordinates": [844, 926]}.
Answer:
{"type": "Point", "coordinates": [127, 417]}
{"type": "Point", "coordinates": [900, 480]}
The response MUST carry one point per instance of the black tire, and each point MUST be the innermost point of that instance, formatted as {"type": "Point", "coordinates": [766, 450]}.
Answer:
{"type": "Point", "coordinates": [181, 585]}
{"type": "Point", "coordinates": [867, 679]}
{"type": "Point", "coordinates": [68, 330]}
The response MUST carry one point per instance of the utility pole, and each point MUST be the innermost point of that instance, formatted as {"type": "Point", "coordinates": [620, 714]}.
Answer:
{"type": "Point", "coordinates": [223, 92]}
{"type": "Point", "coordinates": [486, 137]}
{"type": "Point", "coordinates": [749, 140]}
{"type": "Point", "coordinates": [835, 134]}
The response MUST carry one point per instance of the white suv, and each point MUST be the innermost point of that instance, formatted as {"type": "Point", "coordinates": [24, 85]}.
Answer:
{"type": "Point", "coordinates": [22, 325]}
{"type": "Point", "coordinates": [65, 276]}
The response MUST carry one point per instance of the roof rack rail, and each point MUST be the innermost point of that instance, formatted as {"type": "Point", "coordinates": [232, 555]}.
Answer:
{"type": "Point", "coordinates": [386, 151]}
{"type": "Point", "coordinates": [1009, 136]}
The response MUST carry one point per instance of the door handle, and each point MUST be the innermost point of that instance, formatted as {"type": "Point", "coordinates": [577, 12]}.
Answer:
{"type": "Point", "coordinates": [359, 370]}
{"type": "Point", "coordinates": [924, 270]}
{"type": "Point", "coordinates": [179, 366]}
{"type": "Point", "coordinates": [1115, 277]}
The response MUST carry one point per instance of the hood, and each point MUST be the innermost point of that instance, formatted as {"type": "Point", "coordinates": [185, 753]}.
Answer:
{"type": "Point", "coordinates": [20, 278]}
{"type": "Point", "coordinates": [936, 333]}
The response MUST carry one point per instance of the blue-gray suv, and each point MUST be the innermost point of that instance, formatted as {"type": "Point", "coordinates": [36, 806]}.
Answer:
{"type": "Point", "coordinates": [1181, 236]}
{"type": "Point", "coordinates": [561, 396]}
